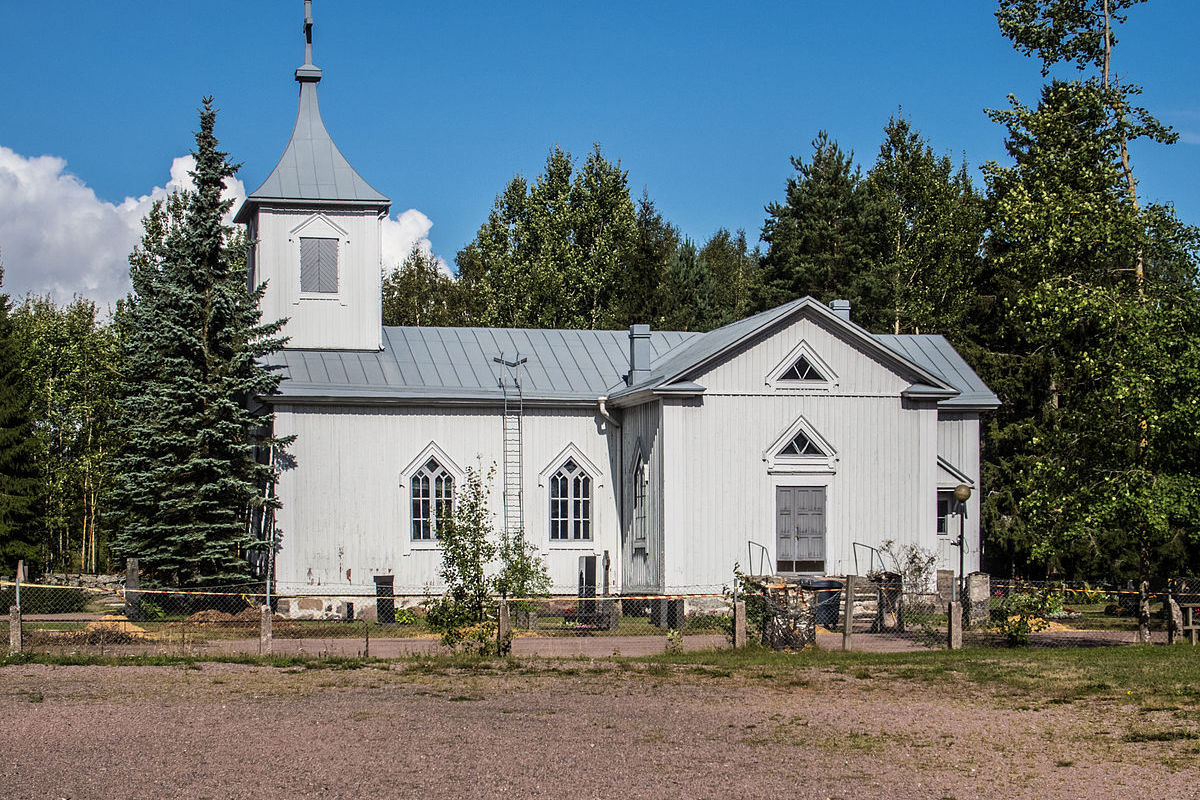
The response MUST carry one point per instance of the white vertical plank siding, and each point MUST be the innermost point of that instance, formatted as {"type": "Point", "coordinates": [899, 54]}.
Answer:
{"type": "Point", "coordinates": [350, 319]}
{"type": "Point", "coordinates": [855, 373]}
{"type": "Point", "coordinates": [346, 512]}
{"type": "Point", "coordinates": [642, 571]}
{"type": "Point", "coordinates": [721, 493]}
{"type": "Point", "coordinates": [958, 443]}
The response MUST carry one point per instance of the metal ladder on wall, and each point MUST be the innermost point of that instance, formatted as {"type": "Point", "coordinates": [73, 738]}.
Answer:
{"type": "Point", "coordinates": [512, 447]}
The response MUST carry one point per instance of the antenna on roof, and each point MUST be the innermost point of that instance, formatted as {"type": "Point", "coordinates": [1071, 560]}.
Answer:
{"type": "Point", "coordinates": [308, 71]}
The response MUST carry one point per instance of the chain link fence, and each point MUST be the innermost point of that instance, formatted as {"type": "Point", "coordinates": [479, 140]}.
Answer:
{"type": "Point", "coordinates": [876, 613]}
{"type": "Point", "coordinates": [349, 621]}
{"type": "Point", "coordinates": [884, 615]}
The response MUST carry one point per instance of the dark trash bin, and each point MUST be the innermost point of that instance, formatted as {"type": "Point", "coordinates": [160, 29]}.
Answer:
{"type": "Point", "coordinates": [829, 600]}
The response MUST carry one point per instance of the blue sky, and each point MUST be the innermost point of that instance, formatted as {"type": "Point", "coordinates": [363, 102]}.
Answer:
{"type": "Point", "coordinates": [439, 104]}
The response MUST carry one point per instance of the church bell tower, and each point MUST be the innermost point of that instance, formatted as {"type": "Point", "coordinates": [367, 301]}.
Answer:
{"type": "Point", "coordinates": [315, 232]}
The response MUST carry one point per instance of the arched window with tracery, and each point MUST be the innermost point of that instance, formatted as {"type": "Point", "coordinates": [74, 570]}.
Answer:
{"type": "Point", "coordinates": [570, 504]}
{"type": "Point", "coordinates": [432, 489]}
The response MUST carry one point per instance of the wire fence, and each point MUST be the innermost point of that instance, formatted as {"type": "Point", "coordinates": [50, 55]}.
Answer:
{"type": "Point", "coordinates": [347, 621]}
{"type": "Point", "coordinates": [848, 612]}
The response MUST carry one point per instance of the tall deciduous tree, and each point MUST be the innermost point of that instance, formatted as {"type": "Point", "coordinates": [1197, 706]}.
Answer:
{"type": "Point", "coordinates": [188, 427]}
{"type": "Point", "coordinates": [18, 451]}
{"type": "Point", "coordinates": [551, 252]}
{"type": "Point", "coordinates": [1095, 338]}
{"type": "Point", "coordinates": [419, 292]}
{"type": "Point", "coordinates": [69, 357]}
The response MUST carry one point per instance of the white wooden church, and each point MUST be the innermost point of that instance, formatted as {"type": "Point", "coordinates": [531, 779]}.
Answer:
{"type": "Point", "coordinates": [791, 441]}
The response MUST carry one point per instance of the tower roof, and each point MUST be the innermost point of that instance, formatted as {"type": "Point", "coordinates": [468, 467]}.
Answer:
{"type": "Point", "coordinates": [312, 170]}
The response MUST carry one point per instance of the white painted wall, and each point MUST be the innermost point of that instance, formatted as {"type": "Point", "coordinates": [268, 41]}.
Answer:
{"type": "Point", "coordinates": [720, 478]}
{"type": "Point", "coordinates": [349, 320]}
{"type": "Point", "coordinates": [346, 510]}
{"type": "Point", "coordinates": [958, 443]}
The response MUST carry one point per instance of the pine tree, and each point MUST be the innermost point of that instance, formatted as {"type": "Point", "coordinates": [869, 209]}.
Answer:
{"type": "Point", "coordinates": [18, 452]}
{"type": "Point", "coordinates": [687, 291]}
{"type": "Point", "coordinates": [189, 427]}
{"type": "Point", "coordinates": [817, 238]}
{"type": "Point", "coordinates": [927, 225]}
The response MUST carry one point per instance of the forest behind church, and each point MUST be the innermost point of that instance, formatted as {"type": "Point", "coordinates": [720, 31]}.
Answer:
{"type": "Point", "coordinates": [1076, 300]}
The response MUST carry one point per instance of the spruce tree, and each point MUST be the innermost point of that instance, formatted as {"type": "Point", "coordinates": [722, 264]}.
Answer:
{"type": "Point", "coordinates": [18, 451]}
{"type": "Point", "coordinates": [189, 427]}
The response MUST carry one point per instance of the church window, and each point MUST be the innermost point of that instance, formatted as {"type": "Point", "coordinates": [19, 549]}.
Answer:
{"type": "Point", "coordinates": [570, 504]}
{"type": "Point", "coordinates": [801, 445]}
{"type": "Point", "coordinates": [640, 486]}
{"type": "Point", "coordinates": [802, 370]}
{"type": "Point", "coordinates": [318, 265]}
{"type": "Point", "coordinates": [432, 490]}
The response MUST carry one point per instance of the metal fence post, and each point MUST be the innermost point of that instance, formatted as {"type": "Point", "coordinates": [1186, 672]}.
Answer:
{"type": "Point", "coordinates": [14, 629]}
{"type": "Point", "coordinates": [264, 631]}
{"type": "Point", "coordinates": [848, 622]}
{"type": "Point", "coordinates": [20, 575]}
{"type": "Point", "coordinates": [739, 625]}
{"type": "Point", "coordinates": [954, 639]}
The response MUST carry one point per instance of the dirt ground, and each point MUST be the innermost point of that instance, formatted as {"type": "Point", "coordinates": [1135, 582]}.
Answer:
{"type": "Point", "coordinates": [559, 729]}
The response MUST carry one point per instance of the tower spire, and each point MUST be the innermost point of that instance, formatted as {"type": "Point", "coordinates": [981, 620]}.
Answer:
{"type": "Point", "coordinates": [308, 72]}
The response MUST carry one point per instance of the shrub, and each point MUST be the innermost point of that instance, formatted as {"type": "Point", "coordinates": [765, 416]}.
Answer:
{"type": "Point", "coordinates": [1021, 614]}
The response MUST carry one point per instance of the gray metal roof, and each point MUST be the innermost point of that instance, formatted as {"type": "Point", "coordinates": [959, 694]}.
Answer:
{"type": "Point", "coordinates": [703, 350]}
{"type": "Point", "coordinates": [456, 364]}
{"type": "Point", "coordinates": [938, 356]}
{"type": "Point", "coordinates": [312, 169]}
{"type": "Point", "coordinates": [564, 366]}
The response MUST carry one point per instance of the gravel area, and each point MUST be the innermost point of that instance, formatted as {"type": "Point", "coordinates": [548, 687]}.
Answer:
{"type": "Point", "coordinates": [549, 729]}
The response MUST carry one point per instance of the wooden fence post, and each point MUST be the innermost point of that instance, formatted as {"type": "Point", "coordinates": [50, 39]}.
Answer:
{"type": "Point", "coordinates": [739, 625]}
{"type": "Point", "coordinates": [954, 616]}
{"type": "Point", "coordinates": [133, 607]}
{"type": "Point", "coordinates": [848, 622]}
{"type": "Point", "coordinates": [14, 629]}
{"type": "Point", "coordinates": [264, 631]}
{"type": "Point", "coordinates": [503, 630]}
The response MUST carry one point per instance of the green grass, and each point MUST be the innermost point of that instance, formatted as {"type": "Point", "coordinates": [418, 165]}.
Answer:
{"type": "Point", "coordinates": [1155, 678]}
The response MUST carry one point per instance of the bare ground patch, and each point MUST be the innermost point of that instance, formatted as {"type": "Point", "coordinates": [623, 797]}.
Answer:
{"type": "Point", "coordinates": [570, 729]}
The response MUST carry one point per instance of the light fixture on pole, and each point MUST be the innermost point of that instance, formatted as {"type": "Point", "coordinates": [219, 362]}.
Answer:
{"type": "Point", "coordinates": [962, 493]}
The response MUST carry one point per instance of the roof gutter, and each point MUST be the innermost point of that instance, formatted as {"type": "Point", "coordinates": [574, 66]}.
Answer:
{"type": "Point", "coordinates": [604, 412]}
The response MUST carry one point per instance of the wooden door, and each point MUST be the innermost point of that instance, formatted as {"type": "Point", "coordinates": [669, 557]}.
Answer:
{"type": "Point", "coordinates": [800, 529]}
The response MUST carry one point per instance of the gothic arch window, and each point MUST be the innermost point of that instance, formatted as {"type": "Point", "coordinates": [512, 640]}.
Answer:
{"type": "Point", "coordinates": [641, 486]}
{"type": "Point", "coordinates": [570, 503]}
{"type": "Point", "coordinates": [432, 492]}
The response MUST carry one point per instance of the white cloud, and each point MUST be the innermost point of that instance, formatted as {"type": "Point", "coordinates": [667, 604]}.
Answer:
{"type": "Point", "coordinates": [400, 234]}
{"type": "Point", "coordinates": [58, 238]}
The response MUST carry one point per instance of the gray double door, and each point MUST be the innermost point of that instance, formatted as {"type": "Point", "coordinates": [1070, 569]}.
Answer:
{"type": "Point", "coordinates": [800, 529]}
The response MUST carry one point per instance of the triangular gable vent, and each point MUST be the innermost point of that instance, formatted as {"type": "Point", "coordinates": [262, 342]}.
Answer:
{"type": "Point", "coordinates": [801, 445]}
{"type": "Point", "coordinates": [802, 370]}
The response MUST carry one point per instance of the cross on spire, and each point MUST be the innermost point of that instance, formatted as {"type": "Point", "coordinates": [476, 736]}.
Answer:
{"type": "Point", "coordinates": [308, 72]}
{"type": "Point", "coordinates": [308, 23]}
